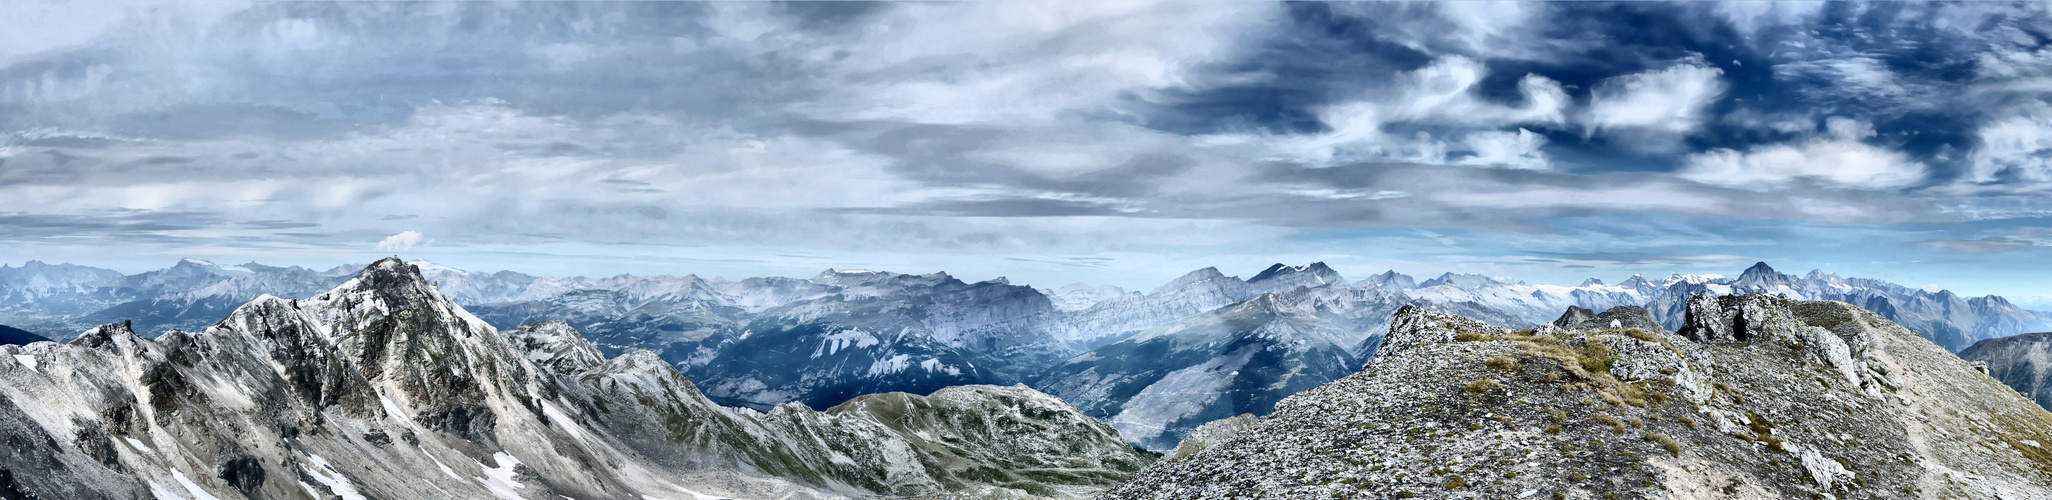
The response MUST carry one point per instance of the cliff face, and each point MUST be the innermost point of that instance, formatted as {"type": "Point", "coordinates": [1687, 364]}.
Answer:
{"type": "Point", "coordinates": [384, 388]}
{"type": "Point", "coordinates": [2022, 362]}
{"type": "Point", "coordinates": [1754, 397]}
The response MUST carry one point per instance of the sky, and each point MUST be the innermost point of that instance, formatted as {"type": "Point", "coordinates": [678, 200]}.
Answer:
{"type": "Point", "coordinates": [1120, 143]}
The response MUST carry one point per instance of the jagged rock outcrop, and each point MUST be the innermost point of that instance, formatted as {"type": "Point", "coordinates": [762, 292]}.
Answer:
{"type": "Point", "coordinates": [384, 388]}
{"type": "Point", "coordinates": [1821, 400]}
{"type": "Point", "coordinates": [2022, 362]}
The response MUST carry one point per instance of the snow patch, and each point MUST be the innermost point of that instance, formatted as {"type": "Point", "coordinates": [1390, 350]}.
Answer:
{"type": "Point", "coordinates": [310, 491]}
{"type": "Point", "coordinates": [190, 487]}
{"type": "Point", "coordinates": [445, 469]}
{"type": "Point", "coordinates": [393, 410]}
{"type": "Point", "coordinates": [160, 493]}
{"type": "Point", "coordinates": [842, 339]}
{"type": "Point", "coordinates": [934, 365]}
{"type": "Point", "coordinates": [694, 495]}
{"type": "Point", "coordinates": [890, 365]}
{"type": "Point", "coordinates": [26, 360]}
{"type": "Point", "coordinates": [137, 444]}
{"type": "Point", "coordinates": [500, 479]}
{"type": "Point", "coordinates": [332, 478]}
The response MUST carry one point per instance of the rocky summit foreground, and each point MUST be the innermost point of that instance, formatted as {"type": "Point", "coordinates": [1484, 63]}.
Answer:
{"type": "Point", "coordinates": [383, 388]}
{"type": "Point", "coordinates": [1755, 397]}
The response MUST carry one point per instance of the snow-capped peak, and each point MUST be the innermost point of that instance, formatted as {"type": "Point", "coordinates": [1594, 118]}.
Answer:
{"type": "Point", "coordinates": [1691, 278]}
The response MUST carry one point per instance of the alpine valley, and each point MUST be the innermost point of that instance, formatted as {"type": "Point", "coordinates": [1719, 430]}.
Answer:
{"type": "Point", "coordinates": [1154, 365]}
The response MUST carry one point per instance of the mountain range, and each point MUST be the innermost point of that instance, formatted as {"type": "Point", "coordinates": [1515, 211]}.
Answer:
{"type": "Point", "coordinates": [1154, 364]}
{"type": "Point", "coordinates": [384, 387]}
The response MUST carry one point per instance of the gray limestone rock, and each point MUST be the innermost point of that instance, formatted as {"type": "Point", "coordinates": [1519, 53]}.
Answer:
{"type": "Point", "coordinates": [1707, 321]}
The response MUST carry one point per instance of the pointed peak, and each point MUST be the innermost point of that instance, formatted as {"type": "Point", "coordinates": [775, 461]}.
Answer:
{"type": "Point", "coordinates": [1592, 282]}
{"type": "Point", "coordinates": [386, 276]}
{"type": "Point", "coordinates": [108, 334]}
{"type": "Point", "coordinates": [1207, 273]}
{"type": "Point", "coordinates": [1758, 268]}
{"type": "Point", "coordinates": [1318, 269]}
{"type": "Point", "coordinates": [1191, 278]}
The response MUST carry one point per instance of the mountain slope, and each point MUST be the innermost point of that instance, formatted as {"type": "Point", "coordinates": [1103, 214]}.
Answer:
{"type": "Point", "coordinates": [1162, 383]}
{"type": "Point", "coordinates": [882, 332]}
{"type": "Point", "coordinates": [2022, 362]}
{"type": "Point", "coordinates": [1819, 399]}
{"type": "Point", "coordinates": [384, 388]}
{"type": "Point", "coordinates": [17, 336]}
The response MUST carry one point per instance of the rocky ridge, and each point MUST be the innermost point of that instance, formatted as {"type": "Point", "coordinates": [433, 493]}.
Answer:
{"type": "Point", "coordinates": [1755, 397]}
{"type": "Point", "coordinates": [384, 388]}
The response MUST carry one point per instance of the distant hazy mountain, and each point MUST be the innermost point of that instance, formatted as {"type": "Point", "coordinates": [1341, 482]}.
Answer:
{"type": "Point", "coordinates": [1162, 383]}
{"type": "Point", "coordinates": [17, 336]}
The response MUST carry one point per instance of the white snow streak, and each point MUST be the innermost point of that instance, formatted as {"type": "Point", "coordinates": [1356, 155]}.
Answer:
{"type": "Point", "coordinates": [445, 468]}
{"type": "Point", "coordinates": [26, 360]}
{"type": "Point", "coordinates": [694, 495]}
{"type": "Point", "coordinates": [158, 491]}
{"type": "Point", "coordinates": [197, 493]}
{"type": "Point", "coordinates": [500, 479]}
{"type": "Point", "coordinates": [137, 444]}
{"type": "Point", "coordinates": [394, 411]}
{"type": "Point", "coordinates": [333, 478]}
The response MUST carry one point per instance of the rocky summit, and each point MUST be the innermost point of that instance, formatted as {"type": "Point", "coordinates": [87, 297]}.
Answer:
{"type": "Point", "coordinates": [1754, 397]}
{"type": "Point", "coordinates": [384, 388]}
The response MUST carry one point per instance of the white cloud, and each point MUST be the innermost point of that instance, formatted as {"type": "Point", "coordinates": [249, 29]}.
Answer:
{"type": "Point", "coordinates": [2018, 145]}
{"type": "Point", "coordinates": [1852, 76]}
{"type": "Point", "coordinates": [1670, 100]}
{"type": "Point", "coordinates": [1013, 62]}
{"type": "Point", "coordinates": [402, 242]}
{"type": "Point", "coordinates": [1751, 17]}
{"type": "Point", "coordinates": [1443, 93]}
{"type": "Point", "coordinates": [1838, 159]}
{"type": "Point", "coordinates": [1506, 149]}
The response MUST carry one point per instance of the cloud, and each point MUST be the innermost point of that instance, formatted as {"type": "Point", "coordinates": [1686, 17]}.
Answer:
{"type": "Point", "coordinates": [1644, 258]}
{"type": "Point", "coordinates": [1445, 93]}
{"type": "Point", "coordinates": [1837, 159]}
{"type": "Point", "coordinates": [402, 242]}
{"type": "Point", "coordinates": [1991, 244]}
{"type": "Point", "coordinates": [2018, 146]}
{"type": "Point", "coordinates": [1668, 102]}
{"type": "Point", "coordinates": [1011, 129]}
{"type": "Point", "coordinates": [1506, 149]}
